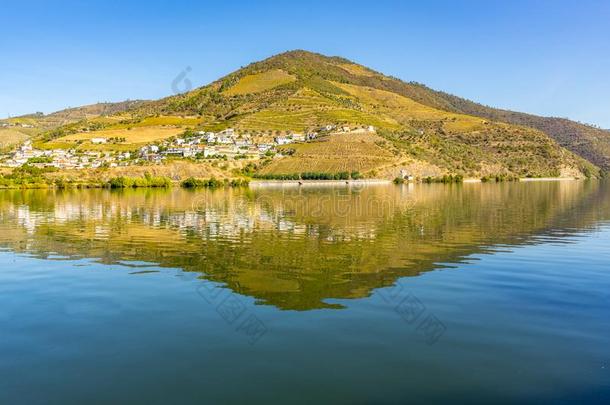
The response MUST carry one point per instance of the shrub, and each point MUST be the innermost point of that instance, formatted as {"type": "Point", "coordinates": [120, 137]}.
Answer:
{"type": "Point", "coordinates": [146, 181]}
{"type": "Point", "coordinates": [193, 182]}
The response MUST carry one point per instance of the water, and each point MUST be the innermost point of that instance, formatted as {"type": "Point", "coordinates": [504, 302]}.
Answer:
{"type": "Point", "coordinates": [381, 294]}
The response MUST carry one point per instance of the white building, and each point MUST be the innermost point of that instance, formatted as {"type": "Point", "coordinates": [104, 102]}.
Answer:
{"type": "Point", "coordinates": [98, 140]}
{"type": "Point", "coordinates": [210, 137]}
{"type": "Point", "coordinates": [225, 140]}
{"type": "Point", "coordinates": [282, 140]}
{"type": "Point", "coordinates": [209, 151]}
{"type": "Point", "coordinates": [243, 143]}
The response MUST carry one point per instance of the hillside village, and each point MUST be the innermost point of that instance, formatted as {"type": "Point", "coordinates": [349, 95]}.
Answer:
{"type": "Point", "coordinates": [226, 144]}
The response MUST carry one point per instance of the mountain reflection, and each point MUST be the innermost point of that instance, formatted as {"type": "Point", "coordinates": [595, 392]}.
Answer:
{"type": "Point", "coordinates": [295, 248]}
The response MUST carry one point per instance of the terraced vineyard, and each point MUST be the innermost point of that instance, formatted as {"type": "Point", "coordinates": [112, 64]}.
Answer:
{"type": "Point", "coordinates": [333, 154]}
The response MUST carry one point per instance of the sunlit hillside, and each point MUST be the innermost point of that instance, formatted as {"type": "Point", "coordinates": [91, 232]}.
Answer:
{"type": "Point", "coordinates": [301, 92]}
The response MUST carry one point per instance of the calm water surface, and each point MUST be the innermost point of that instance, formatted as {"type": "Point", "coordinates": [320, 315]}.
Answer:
{"type": "Point", "coordinates": [382, 294]}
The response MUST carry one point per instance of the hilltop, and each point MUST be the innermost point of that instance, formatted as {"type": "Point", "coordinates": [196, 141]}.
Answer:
{"type": "Point", "coordinates": [18, 129]}
{"type": "Point", "coordinates": [334, 116]}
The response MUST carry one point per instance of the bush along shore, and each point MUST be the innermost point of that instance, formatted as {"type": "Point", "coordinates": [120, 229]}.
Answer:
{"type": "Point", "coordinates": [192, 182]}
{"type": "Point", "coordinates": [29, 177]}
{"type": "Point", "coordinates": [449, 179]}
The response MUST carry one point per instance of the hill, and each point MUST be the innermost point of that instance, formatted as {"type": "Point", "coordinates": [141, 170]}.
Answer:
{"type": "Point", "coordinates": [422, 131]}
{"type": "Point", "coordinates": [18, 129]}
{"type": "Point", "coordinates": [587, 141]}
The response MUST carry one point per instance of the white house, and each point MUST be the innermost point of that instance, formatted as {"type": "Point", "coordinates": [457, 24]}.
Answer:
{"type": "Point", "coordinates": [243, 143]}
{"type": "Point", "coordinates": [298, 137]}
{"type": "Point", "coordinates": [264, 147]}
{"type": "Point", "coordinates": [229, 151]}
{"type": "Point", "coordinates": [210, 137]}
{"type": "Point", "coordinates": [209, 151]}
{"type": "Point", "coordinates": [27, 146]}
{"type": "Point", "coordinates": [224, 140]}
{"type": "Point", "coordinates": [282, 140]}
{"type": "Point", "coordinates": [98, 140]}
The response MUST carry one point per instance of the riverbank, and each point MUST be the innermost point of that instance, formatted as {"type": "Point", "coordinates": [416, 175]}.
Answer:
{"type": "Point", "coordinates": [164, 182]}
{"type": "Point", "coordinates": [548, 179]}
{"type": "Point", "coordinates": [317, 183]}
{"type": "Point", "coordinates": [368, 182]}
{"type": "Point", "coordinates": [527, 179]}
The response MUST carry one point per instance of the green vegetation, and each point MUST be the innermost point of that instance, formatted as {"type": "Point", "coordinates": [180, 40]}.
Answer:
{"type": "Point", "coordinates": [26, 176]}
{"type": "Point", "coordinates": [192, 182]}
{"type": "Point", "coordinates": [137, 182]}
{"type": "Point", "coordinates": [446, 179]}
{"type": "Point", "coordinates": [32, 177]}
{"type": "Point", "coordinates": [41, 159]}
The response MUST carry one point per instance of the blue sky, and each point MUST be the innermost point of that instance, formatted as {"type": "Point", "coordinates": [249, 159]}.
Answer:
{"type": "Point", "coordinates": [543, 57]}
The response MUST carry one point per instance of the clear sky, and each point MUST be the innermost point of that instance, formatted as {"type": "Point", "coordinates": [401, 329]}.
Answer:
{"type": "Point", "coordinates": [543, 57]}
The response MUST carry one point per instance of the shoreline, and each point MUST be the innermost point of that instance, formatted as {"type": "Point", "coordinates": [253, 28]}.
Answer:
{"type": "Point", "coordinates": [280, 183]}
{"type": "Point", "coordinates": [305, 183]}
{"type": "Point", "coordinates": [316, 183]}
{"type": "Point", "coordinates": [526, 179]}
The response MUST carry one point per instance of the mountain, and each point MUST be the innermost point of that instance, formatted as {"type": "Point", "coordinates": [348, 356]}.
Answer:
{"type": "Point", "coordinates": [417, 129]}
{"type": "Point", "coordinates": [587, 141]}
{"type": "Point", "coordinates": [26, 126]}
{"type": "Point", "coordinates": [93, 110]}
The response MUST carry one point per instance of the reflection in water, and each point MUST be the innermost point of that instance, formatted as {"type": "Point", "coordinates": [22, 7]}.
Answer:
{"type": "Point", "coordinates": [296, 248]}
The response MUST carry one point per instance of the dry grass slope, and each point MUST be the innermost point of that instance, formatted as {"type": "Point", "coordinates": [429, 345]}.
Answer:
{"type": "Point", "coordinates": [10, 137]}
{"type": "Point", "coordinates": [260, 82]}
{"type": "Point", "coordinates": [135, 135]}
